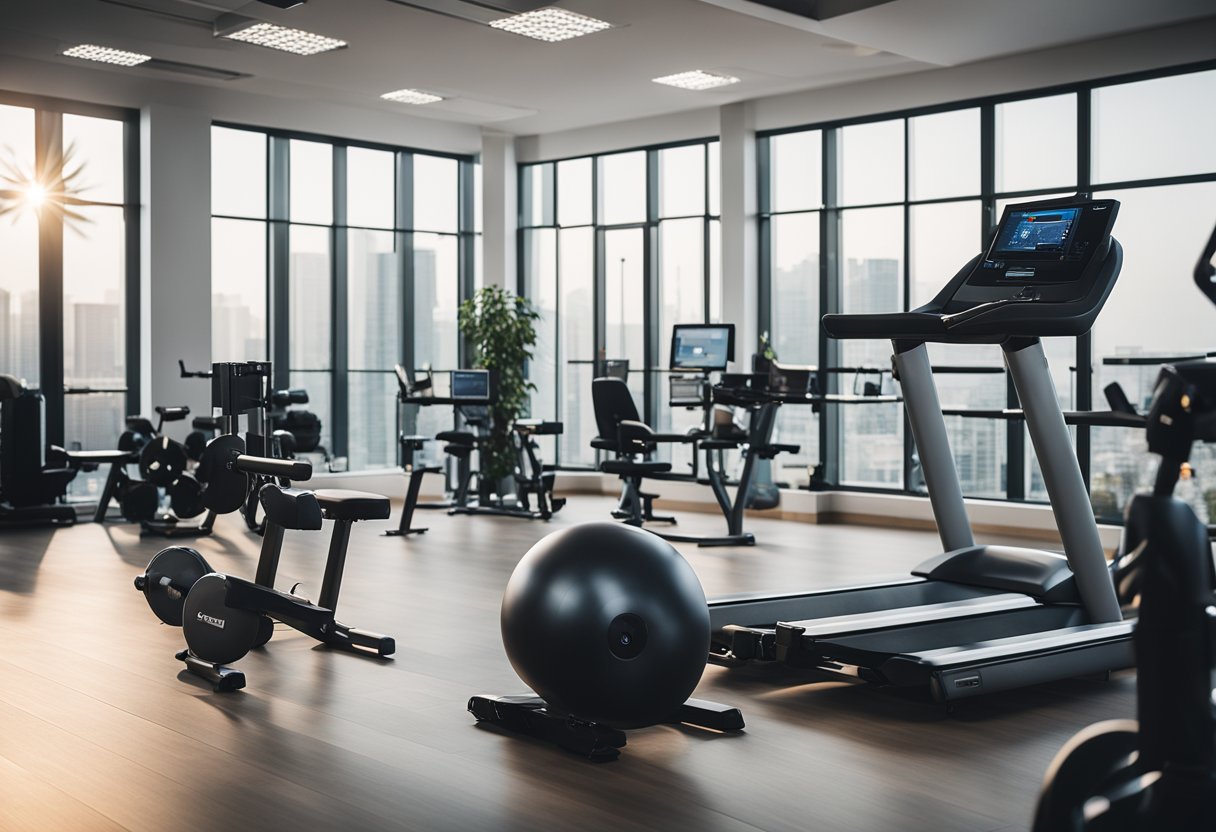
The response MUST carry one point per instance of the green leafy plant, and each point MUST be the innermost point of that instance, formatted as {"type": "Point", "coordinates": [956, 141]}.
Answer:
{"type": "Point", "coordinates": [500, 328]}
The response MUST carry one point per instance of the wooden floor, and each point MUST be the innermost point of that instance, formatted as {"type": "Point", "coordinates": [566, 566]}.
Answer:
{"type": "Point", "coordinates": [99, 731]}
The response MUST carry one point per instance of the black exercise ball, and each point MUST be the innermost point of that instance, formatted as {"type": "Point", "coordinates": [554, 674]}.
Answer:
{"type": "Point", "coordinates": [608, 623]}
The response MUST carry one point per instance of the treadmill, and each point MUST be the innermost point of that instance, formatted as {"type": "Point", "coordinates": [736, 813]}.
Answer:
{"type": "Point", "coordinates": [975, 619]}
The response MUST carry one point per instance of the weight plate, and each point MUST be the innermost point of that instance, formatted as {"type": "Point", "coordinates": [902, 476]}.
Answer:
{"type": "Point", "coordinates": [169, 578]}
{"type": "Point", "coordinates": [186, 497]}
{"type": "Point", "coordinates": [162, 461]}
{"type": "Point", "coordinates": [226, 486]}
{"type": "Point", "coordinates": [196, 443]}
{"type": "Point", "coordinates": [138, 501]}
{"type": "Point", "coordinates": [214, 631]}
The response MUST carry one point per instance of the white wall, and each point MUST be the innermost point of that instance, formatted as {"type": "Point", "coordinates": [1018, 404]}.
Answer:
{"type": "Point", "coordinates": [740, 241]}
{"type": "Point", "coordinates": [500, 209]}
{"type": "Point", "coordinates": [175, 244]}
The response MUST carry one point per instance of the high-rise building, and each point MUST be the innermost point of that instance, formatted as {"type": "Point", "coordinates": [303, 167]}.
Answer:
{"type": "Point", "coordinates": [25, 346]}
{"type": "Point", "coordinates": [97, 347]}
{"type": "Point", "coordinates": [309, 325]}
{"type": "Point", "coordinates": [872, 450]}
{"type": "Point", "coordinates": [237, 334]}
{"type": "Point", "coordinates": [6, 332]}
{"type": "Point", "coordinates": [374, 345]}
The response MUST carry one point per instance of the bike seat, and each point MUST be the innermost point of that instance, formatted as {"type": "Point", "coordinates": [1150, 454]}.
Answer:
{"type": "Point", "coordinates": [172, 414]}
{"type": "Point", "coordinates": [340, 504]}
{"type": "Point", "coordinates": [537, 427]}
{"type": "Point", "coordinates": [629, 468]}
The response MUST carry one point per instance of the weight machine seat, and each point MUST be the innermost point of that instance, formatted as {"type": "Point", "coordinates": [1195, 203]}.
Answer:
{"type": "Point", "coordinates": [457, 437]}
{"type": "Point", "coordinates": [629, 468]}
{"type": "Point", "coordinates": [341, 504]}
{"type": "Point", "coordinates": [101, 457]}
{"type": "Point", "coordinates": [291, 508]}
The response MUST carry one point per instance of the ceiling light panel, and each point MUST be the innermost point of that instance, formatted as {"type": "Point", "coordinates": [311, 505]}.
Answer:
{"type": "Point", "coordinates": [273, 36]}
{"type": "Point", "coordinates": [106, 55]}
{"type": "Point", "coordinates": [696, 80]}
{"type": "Point", "coordinates": [408, 96]}
{"type": "Point", "coordinates": [550, 25]}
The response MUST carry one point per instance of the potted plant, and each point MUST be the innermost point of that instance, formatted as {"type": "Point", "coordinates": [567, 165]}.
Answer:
{"type": "Point", "coordinates": [500, 330]}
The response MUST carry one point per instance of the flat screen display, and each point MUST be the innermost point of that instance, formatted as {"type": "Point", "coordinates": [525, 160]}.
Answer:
{"type": "Point", "coordinates": [706, 347]}
{"type": "Point", "coordinates": [471, 385]}
{"type": "Point", "coordinates": [1038, 232]}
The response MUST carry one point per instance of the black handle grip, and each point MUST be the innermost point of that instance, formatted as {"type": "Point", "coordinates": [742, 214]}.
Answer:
{"type": "Point", "coordinates": [291, 469]}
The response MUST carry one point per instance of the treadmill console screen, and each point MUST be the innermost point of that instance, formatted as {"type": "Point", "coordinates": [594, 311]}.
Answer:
{"type": "Point", "coordinates": [1037, 231]}
{"type": "Point", "coordinates": [705, 347]}
{"type": "Point", "coordinates": [1046, 243]}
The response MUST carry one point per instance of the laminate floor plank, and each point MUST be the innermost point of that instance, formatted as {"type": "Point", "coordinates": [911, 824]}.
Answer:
{"type": "Point", "coordinates": [100, 727]}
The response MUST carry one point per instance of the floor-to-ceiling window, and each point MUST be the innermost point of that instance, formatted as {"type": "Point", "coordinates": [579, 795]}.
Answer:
{"type": "Point", "coordinates": [338, 260]}
{"type": "Point", "coordinates": [877, 214]}
{"type": "Point", "coordinates": [69, 284]}
{"type": "Point", "coordinates": [616, 249]}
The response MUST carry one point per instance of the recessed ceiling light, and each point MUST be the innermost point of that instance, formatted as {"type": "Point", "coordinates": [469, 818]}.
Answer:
{"type": "Point", "coordinates": [696, 80]}
{"type": "Point", "coordinates": [550, 25]}
{"type": "Point", "coordinates": [106, 55]}
{"type": "Point", "coordinates": [411, 97]}
{"type": "Point", "coordinates": [273, 36]}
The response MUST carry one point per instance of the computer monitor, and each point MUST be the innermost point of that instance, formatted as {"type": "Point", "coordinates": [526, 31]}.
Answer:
{"type": "Point", "coordinates": [471, 386]}
{"type": "Point", "coordinates": [702, 347]}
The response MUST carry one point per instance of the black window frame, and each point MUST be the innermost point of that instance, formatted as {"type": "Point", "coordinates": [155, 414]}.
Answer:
{"type": "Point", "coordinates": [48, 127]}
{"type": "Point", "coordinates": [830, 269]}
{"type": "Point", "coordinates": [651, 263]}
{"type": "Point", "coordinates": [278, 224]}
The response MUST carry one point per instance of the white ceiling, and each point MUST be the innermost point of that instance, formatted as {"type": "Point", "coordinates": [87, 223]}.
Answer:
{"type": "Point", "coordinates": [525, 87]}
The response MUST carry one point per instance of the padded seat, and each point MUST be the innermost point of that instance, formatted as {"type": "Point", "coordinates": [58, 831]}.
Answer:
{"type": "Point", "coordinates": [341, 504]}
{"type": "Point", "coordinates": [456, 437]}
{"type": "Point", "coordinates": [629, 468]}
{"type": "Point", "coordinates": [291, 508]}
{"type": "Point", "coordinates": [101, 457]}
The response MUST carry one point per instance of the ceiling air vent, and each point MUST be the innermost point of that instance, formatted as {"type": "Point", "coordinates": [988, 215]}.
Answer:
{"type": "Point", "coordinates": [476, 11]}
{"type": "Point", "coordinates": [819, 9]}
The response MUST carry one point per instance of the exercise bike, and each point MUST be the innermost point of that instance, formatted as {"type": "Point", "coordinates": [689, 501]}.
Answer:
{"type": "Point", "coordinates": [1158, 772]}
